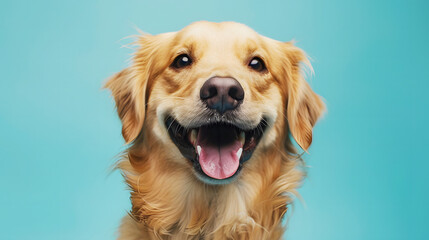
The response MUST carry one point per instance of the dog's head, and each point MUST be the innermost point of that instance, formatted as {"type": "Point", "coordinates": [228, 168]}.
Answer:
{"type": "Point", "coordinates": [212, 95]}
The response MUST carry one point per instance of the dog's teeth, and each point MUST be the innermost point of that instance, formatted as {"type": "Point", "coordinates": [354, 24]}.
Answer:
{"type": "Point", "coordinates": [193, 136]}
{"type": "Point", "coordinates": [198, 150]}
{"type": "Point", "coordinates": [242, 137]}
{"type": "Point", "coordinates": [239, 152]}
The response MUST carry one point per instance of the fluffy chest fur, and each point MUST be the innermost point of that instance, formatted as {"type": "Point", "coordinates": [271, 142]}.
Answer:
{"type": "Point", "coordinates": [173, 205]}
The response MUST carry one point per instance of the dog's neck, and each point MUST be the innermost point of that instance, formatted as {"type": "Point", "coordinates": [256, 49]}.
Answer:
{"type": "Point", "coordinates": [177, 203]}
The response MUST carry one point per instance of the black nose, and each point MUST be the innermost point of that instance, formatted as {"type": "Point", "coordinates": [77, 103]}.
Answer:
{"type": "Point", "coordinates": [222, 94]}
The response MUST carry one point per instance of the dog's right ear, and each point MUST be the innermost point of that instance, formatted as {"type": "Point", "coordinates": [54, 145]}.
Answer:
{"type": "Point", "coordinates": [129, 86]}
{"type": "Point", "coordinates": [128, 89]}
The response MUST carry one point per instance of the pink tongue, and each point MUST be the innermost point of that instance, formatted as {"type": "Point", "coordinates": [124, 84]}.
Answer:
{"type": "Point", "coordinates": [218, 160]}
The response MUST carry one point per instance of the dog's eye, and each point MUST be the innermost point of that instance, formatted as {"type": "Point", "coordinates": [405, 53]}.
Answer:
{"type": "Point", "coordinates": [181, 61]}
{"type": "Point", "coordinates": [257, 64]}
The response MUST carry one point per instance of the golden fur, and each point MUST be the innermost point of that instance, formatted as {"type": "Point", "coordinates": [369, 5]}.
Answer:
{"type": "Point", "coordinates": [168, 200]}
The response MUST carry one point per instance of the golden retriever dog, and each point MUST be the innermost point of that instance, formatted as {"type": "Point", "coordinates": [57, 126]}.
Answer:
{"type": "Point", "coordinates": [208, 113]}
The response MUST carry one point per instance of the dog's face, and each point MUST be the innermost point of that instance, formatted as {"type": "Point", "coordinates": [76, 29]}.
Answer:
{"type": "Point", "coordinates": [213, 95]}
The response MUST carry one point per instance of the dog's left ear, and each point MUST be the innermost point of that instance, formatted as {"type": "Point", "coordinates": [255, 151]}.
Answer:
{"type": "Point", "coordinates": [304, 107]}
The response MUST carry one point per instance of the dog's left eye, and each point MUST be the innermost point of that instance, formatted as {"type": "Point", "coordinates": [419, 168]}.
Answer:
{"type": "Point", "coordinates": [181, 61]}
{"type": "Point", "coordinates": [257, 64]}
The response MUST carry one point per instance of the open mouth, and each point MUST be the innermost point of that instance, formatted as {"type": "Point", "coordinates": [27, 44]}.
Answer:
{"type": "Point", "coordinates": [217, 150]}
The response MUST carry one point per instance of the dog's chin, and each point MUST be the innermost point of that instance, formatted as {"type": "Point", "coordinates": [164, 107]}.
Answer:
{"type": "Point", "coordinates": [216, 150]}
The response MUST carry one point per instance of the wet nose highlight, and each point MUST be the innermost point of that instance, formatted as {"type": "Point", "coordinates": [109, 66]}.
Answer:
{"type": "Point", "coordinates": [222, 94]}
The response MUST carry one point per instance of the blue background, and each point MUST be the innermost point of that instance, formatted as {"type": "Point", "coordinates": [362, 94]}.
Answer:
{"type": "Point", "coordinates": [59, 133]}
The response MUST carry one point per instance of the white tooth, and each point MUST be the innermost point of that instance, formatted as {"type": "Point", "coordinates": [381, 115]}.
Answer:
{"type": "Point", "coordinates": [239, 152]}
{"type": "Point", "coordinates": [199, 150]}
{"type": "Point", "coordinates": [193, 136]}
{"type": "Point", "coordinates": [242, 137]}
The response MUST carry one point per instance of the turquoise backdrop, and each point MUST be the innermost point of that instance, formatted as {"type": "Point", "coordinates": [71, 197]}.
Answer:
{"type": "Point", "coordinates": [59, 134]}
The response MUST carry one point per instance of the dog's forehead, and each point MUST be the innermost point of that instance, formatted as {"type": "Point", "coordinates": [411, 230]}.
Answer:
{"type": "Point", "coordinates": [213, 28]}
{"type": "Point", "coordinates": [224, 35]}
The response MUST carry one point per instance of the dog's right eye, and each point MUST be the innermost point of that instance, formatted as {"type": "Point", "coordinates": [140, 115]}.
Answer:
{"type": "Point", "coordinates": [181, 61]}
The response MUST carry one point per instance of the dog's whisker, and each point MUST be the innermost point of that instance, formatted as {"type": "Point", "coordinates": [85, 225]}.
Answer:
{"type": "Point", "coordinates": [164, 99]}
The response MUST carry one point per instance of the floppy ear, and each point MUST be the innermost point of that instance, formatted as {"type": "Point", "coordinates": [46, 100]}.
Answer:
{"type": "Point", "coordinates": [304, 107]}
{"type": "Point", "coordinates": [129, 98]}
{"type": "Point", "coordinates": [129, 88]}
